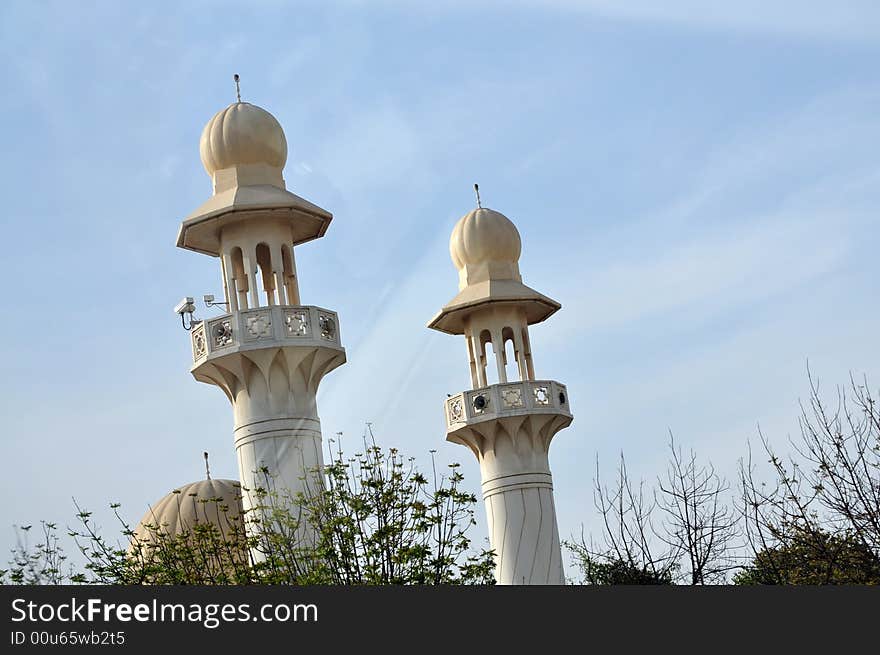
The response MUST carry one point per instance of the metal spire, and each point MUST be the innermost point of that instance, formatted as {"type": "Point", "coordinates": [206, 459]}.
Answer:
{"type": "Point", "coordinates": [207, 468]}
{"type": "Point", "coordinates": [477, 191]}
{"type": "Point", "coordinates": [237, 87]}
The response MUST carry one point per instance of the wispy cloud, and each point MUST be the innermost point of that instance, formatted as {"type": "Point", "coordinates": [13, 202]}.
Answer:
{"type": "Point", "coordinates": [733, 266]}
{"type": "Point", "coordinates": [772, 210]}
{"type": "Point", "coordinates": [841, 20]}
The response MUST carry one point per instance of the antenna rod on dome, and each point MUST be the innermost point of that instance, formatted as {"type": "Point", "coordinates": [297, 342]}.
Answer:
{"type": "Point", "coordinates": [477, 191]}
{"type": "Point", "coordinates": [207, 468]}
{"type": "Point", "coordinates": [237, 89]}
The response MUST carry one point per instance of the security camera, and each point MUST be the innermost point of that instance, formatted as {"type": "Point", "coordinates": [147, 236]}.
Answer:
{"type": "Point", "coordinates": [210, 302]}
{"type": "Point", "coordinates": [185, 306]}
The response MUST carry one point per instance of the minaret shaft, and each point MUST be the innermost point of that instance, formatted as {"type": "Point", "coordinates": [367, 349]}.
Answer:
{"type": "Point", "coordinates": [269, 362]}
{"type": "Point", "coordinates": [277, 432]}
{"type": "Point", "coordinates": [518, 494]}
{"type": "Point", "coordinates": [523, 532]}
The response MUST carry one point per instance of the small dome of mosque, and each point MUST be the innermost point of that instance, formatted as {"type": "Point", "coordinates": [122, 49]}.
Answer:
{"type": "Point", "coordinates": [242, 134]}
{"type": "Point", "coordinates": [216, 502]}
{"type": "Point", "coordinates": [484, 235]}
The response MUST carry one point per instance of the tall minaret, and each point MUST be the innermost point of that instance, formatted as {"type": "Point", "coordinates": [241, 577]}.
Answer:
{"type": "Point", "coordinates": [509, 424]}
{"type": "Point", "coordinates": [267, 352]}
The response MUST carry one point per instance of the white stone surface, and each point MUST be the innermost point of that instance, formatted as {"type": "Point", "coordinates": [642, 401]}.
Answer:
{"type": "Point", "coordinates": [511, 443]}
{"type": "Point", "coordinates": [507, 425]}
{"type": "Point", "coordinates": [241, 134]}
{"type": "Point", "coordinates": [272, 383]}
{"type": "Point", "coordinates": [215, 502]}
{"type": "Point", "coordinates": [268, 353]}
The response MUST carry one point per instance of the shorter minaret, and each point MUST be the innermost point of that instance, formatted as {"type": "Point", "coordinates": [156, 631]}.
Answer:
{"type": "Point", "coordinates": [508, 424]}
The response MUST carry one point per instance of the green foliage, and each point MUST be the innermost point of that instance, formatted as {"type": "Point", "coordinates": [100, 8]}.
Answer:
{"type": "Point", "coordinates": [377, 520]}
{"type": "Point", "coordinates": [608, 569]}
{"type": "Point", "coordinates": [39, 564]}
{"type": "Point", "coordinates": [817, 520]}
{"type": "Point", "coordinates": [813, 557]}
{"type": "Point", "coordinates": [374, 520]}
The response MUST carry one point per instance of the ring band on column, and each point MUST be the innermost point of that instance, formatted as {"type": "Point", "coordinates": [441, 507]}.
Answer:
{"type": "Point", "coordinates": [505, 483]}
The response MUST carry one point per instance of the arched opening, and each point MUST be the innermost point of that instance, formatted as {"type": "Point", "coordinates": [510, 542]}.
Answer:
{"type": "Point", "coordinates": [511, 356]}
{"type": "Point", "coordinates": [264, 265]}
{"type": "Point", "coordinates": [487, 366]}
{"type": "Point", "coordinates": [240, 278]}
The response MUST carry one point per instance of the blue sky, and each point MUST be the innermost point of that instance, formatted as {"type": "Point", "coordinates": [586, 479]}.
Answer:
{"type": "Point", "coordinates": [697, 183]}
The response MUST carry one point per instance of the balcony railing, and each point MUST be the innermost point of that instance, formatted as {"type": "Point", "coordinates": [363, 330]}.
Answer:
{"type": "Point", "coordinates": [507, 399]}
{"type": "Point", "coordinates": [278, 325]}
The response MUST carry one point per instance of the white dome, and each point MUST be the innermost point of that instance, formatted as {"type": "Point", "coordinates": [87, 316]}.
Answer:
{"type": "Point", "coordinates": [242, 134]}
{"type": "Point", "coordinates": [484, 235]}
{"type": "Point", "coordinates": [217, 502]}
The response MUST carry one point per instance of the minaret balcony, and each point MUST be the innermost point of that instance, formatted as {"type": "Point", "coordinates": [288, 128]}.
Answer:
{"type": "Point", "coordinates": [506, 399]}
{"type": "Point", "coordinates": [263, 327]}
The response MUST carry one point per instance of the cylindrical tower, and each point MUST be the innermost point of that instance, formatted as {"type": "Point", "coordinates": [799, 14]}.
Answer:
{"type": "Point", "coordinates": [508, 417]}
{"type": "Point", "coordinates": [268, 352]}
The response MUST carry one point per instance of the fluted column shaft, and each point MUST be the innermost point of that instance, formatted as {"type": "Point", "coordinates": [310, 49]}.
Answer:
{"type": "Point", "coordinates": [518, 495]}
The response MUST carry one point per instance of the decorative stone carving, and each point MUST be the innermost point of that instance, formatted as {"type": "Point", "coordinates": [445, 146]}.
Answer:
{"type": "Point", "coordinates": [259, 325]}
{"type": "Point", "coordinates": [455, 408]}
{"type": "Point", "coordinates": [506, 399]}
{"type": "Point", "coordinates": [296, 323]}
{"type": "Point", "coordinates": [542, 395]}
{"type": "Point", "coordinates": [199, 344]}
{"type": "Point", "coordinates": [327, 326]}
{"type": "Point", "coordinates": [221, 333]}
{"type": "Point", "coordinates": [512, 397]}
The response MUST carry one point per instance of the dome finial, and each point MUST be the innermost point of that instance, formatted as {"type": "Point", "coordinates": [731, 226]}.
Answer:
{"type": "Point", "coordinates": [237, 87]}
{"type": "Point", "coordinates": [477, 191]}
{"type": "Point", "coordinates": [207, 468]}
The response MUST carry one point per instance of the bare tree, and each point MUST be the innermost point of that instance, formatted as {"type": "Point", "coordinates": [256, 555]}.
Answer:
{"type": "Point", "coordinates": [699, 524]}
{"type": "Point", "coordinates": [841, 453]}
{"type": "Point", "coordinates": [691, 541]}
{"type": "Point", "coordinates": [822, 507]}
{"type": "Point", "coordinates": [629, 551]}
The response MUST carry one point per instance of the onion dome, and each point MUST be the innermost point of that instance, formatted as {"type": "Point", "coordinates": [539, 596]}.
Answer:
{"type": "Point", "coordinates": [242, 134]}
{"type": "Point", "coordinates": [484, 235]}
{"type": "Point", "coordinates": [485, 247]}
{"type": "Point", "coordinates": [244, 150]}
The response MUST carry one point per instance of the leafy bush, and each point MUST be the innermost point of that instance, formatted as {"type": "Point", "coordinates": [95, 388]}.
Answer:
{"type": "Point", "coordinates": [375, 520]}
